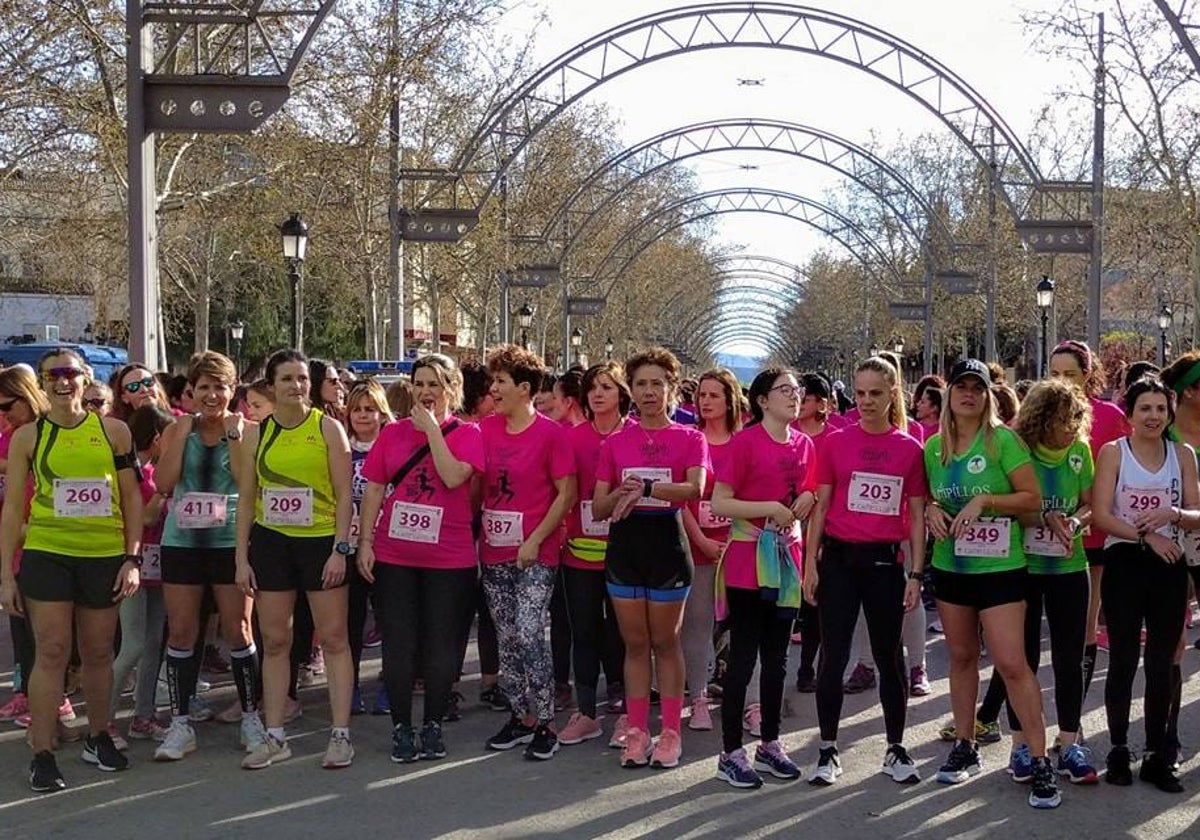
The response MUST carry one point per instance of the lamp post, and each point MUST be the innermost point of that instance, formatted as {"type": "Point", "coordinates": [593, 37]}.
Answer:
{"type": "Point", "coordinates": [1045, 300]}
{"type": "Point", "coordinates": [898, 345]}
{"type": "Point", "coordinates": [89, 334]}
{"type": "Point", "coordinates": [1165, 317]}
{"type": "Point", "coordinates": [608, 348]}
{"type": "Point", "coordinates": [874, 351]}
{"type": "Point", "coordinates": [237, 331]}
{"type": "Point", "coordinates": [576, 341]}
{"type": "Point", "coordinates": [294, 233]}
{"type": "Point", "coordinates": [525, 318]}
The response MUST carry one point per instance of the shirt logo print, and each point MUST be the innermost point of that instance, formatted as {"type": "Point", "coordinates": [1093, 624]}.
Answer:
{"type": "Point", "coordinates": [501, 492]}
{"type": "Point", "coordinates": [976, 465]}
{"type": "Point", "coordinates": [424, 488]}
{"type": "Point", "coordinates": [1076, 462]}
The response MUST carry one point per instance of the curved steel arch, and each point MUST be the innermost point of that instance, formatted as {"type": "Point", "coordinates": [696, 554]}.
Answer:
{"type": "Point", "coordinates": [725, 335]}
{"type": "Point", "coordinates": [751, 265]}
{"type": "Point", "coordinates": [731, 299]}
{"type": "Point", "coordinates": [715, 316]}
{"type": "Point", "coordinates": [762, 261]}
{"type": "Point", "coordinates": [575, 73]}
{"type": "Point", "coordinates": [770, 280]}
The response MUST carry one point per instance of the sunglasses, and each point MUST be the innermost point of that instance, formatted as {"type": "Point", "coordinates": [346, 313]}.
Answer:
{"type": "Point", "coordinates": [51, 374]}
{"type": "Point", "coordinates": [7, 406]}
{"type": "Point", "coordinates": [138, 384]}
{"type": "Point", "coordinates": [95, 405]}
{"type": "Point", "coordinates": [788, 390]}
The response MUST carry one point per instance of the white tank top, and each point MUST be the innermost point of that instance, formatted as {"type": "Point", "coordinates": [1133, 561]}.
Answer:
{"type": "Point", "coordinates": [1139, 490]}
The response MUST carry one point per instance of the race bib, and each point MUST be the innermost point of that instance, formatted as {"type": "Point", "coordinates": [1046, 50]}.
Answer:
{"type": "Point", "coordinates": [151, 562]}
{"type": "Point", "coordinates": [78, 497]}
{"type": "Point", "coordinates": [355, 528]}
{"type": "Point", "coordinates": [1040, 541]}
{"type": "Point", "coordinates": [288, 506]}
{"type": "Point", "coordinates": [709, 520]}
{"type": "Point", "coordinates": [202, 510]}
{"type": "Point", "coordinates": [986, 538]}
{"type": "Point", "coordinates": [655, 474]}
{"type": "Point", "coordinates": [416, 523]}
{"type": "Point", "coordinates": [591, 528]}
{"type": "Point", "coordinates": [503, 528]}
{"type": "Point", "coordinates": [874, 493]}
{"type": "Point", "coordinates": [1190, 540]}
{"type": "Point", "coordinates": [1132, 502]}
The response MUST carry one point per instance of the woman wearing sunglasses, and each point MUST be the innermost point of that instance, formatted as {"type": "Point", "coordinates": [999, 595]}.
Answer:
{"type": "Point", "coordinates": [98, 397]}
{"type": "Point", "coordinates": [81, 555]}
{"type": "Point", "coordinates": [134, 386]}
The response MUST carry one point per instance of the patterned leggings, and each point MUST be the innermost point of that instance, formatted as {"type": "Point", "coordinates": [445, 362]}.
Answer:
{"type": "Point", "coordinates": [520, 600]}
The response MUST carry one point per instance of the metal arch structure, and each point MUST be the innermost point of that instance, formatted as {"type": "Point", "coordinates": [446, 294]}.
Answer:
{"type": "Point", "coordinates": [737, 300]}
{"type": "Point", "coordinates": [704, 323]}
{"type": "Point", "coordinates": [775, 25]}
{"type": "Point", "coordinates": [759, 263]}
{"type": "Point", "coordinates": [1185, 26]}
{"type": "Point", "coordinates": [198, 67]}
{"type": "Point", "coordinates": [725, 335]}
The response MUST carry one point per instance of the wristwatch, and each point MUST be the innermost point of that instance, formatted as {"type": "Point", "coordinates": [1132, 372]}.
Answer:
{"type": "Point", "coordinates": [647, 487]}
{"type": "Point", "coordinates": [233, 434]}
{"type": "Point", "coordinates": [917, 576]}
{"type": "Point", "coordinates": [344, 549]}
{"type": "Point", "coordinates": [135, 559]}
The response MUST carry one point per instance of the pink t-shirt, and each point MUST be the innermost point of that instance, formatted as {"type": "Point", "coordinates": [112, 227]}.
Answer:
{"type": "Point", "coordinates": [714, 527]}
{"type": "Point", "coordinates": [1108, 424]}
{"type": "Point", "coordinates": [421, 522]}
{"type": "Point", "coordinates": [664, 454]}
{"type": "Point", "coordinates": [873, 477]}
{"type": "Point", "coordinates": [518, 486]}
{"type": "Point", "coordinates": [152, 534]}
{"type": "Point", "coordinates": [760, 469]}
{"type": "Point", "coordinates": [928, 430]}
{"type": "Point", "coordinates": [5, 443]}
{"type": "Point", "coordinates": [585, 446]}
{"type": "Point", "coordinates": [836, 421]}
{"type": "Point", "coordinates": [914, 428]}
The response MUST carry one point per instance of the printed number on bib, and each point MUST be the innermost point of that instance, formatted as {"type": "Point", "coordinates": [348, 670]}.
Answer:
{"type": "Point", "coordinates": [1040, 541]}
{"type": "Point", "coordinates": [76, 497]}
{"type": "Point", "coordinates": [202, 510]}
{"type": "Point", "coordinates": [708, 519]}
{"type": "Point", "coordinates": [288, 506]}
{"type": "Point", "coordinates": [415, 523]}
{"type": "Point", "coordinates": [355, 528]}
{"type": "Point", "coordinates": [986, 538]}
{"type": "Point", "coordinates": [655, 474]}
{"type": "Point", "coordinates": [874, 493]}
{"type": "Point", "coordinates": [503, 528]}
{"type": "Point", "coordinates": [591, 528]}
{"type": "Point", "coordinates": [1132, 502]}
{"type": "Point", "coordinates": [151, 562]}
{"type": "Point", "coordinates": [1190, 540]}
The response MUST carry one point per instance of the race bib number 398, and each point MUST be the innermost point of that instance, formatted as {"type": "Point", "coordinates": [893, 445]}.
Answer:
{"type": "Point", "coordinates": [415, 523]}
{"type": "Point", "coordinates": [79, 497]}
{"type": "Point", "coordinates": [288, 506]}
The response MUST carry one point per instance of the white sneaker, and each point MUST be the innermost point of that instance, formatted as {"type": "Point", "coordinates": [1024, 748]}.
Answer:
{"type": "Point", "coordinates": [253, 732]}
{"type": "Point", "coordinates": [339, 753]}
{"type": "Point", "coordinates": [898, 765]}
{"type": "Point", "coordinates": [180, 740]}
{"type": "Point", "coordinates": [829, 767]}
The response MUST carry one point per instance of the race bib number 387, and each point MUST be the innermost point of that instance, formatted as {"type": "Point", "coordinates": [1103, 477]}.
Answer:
{"type": "Point", "coordinates": [503, 528]}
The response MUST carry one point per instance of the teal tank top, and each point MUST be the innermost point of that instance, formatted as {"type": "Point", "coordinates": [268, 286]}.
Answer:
{"type": "Point", "coordinates": [205, 478]}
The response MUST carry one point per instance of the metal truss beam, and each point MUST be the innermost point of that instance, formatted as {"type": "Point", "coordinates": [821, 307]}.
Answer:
{"type": "Point", "coordinates": [1187, 32]}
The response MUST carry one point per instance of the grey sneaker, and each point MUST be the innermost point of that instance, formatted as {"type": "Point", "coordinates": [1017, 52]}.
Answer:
{"type": "Point", "coordinates": [267, 754]}
{"type": "Point", "coordinates": [253, 732]}
{"type": "Point", "coordinates": [339, 753]}
{"type": "Point", "coordinates": [179, 741]}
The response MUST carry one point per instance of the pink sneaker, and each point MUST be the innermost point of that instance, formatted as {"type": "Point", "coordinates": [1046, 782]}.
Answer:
{"type": "Point", "coordinates": [637, 748]}
{"type": "Point", "coordinates": [620, 731]}
{"type": "Point", "coordinates": [24, 720]}
{"type": "Point", "coordinates": [292, 710]}
{"type": "Point", "coordinates": [119, 742]}
{"type": "Point", "coordinates": [1102, 638]}
{"type": "Point", "coordinates": [66, 713]}
{"type": "Point", "coordinates": [752, 720]}
{"type": "Point", "coordinates": [147, 729]}
{"type": "Point", "coordinates": [701, 719]}
{"type": "Point", "coordinates": [667, 751]}
{"type": "Point", "coordinates": [14, 708]}
{"type": "Point", "coordinates": [580, 728]}
{"type": "Point", "coordinates": [918, 682]}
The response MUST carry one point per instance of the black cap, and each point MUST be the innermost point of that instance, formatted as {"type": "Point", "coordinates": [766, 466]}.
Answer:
{"type": "Point", "coordinates": [970, 367]}
{"type": "Point", "coordinates": [815, 384]}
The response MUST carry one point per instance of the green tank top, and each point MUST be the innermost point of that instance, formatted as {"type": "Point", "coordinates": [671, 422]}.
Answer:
{"type": "Point", "coordinates": [205, 485]}
{"type": "Point", "coordinates": [76, 505]}
{"type": "Point", "coordinates": [295, 491]}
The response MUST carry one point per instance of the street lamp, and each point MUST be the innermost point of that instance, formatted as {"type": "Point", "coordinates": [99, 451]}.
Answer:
{"type": "Point", "coordinates": [608, 347]}
{"type": "Point", "coordinates": [237, 331]}
{"type": "Point", "coordinates": [898, 345]}
{"type": "Point", "coordinates": [576, 341]}
{"type": "Point", "coordinates": [1164, 323]}
{"type": "Point", "coordinates": [874, 351]}
{"type": "Point", "coordinates": [294, 233]}
{"type": "Point", "coordinates": [89, 334]}
{"type": "Point", "coordinates": [525, 319]}
{"type": "Point", "coordinates": [1045, 300]}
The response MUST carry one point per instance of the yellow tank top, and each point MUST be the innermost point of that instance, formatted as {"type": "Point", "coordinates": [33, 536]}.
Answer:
{"type": "Point", "coordinates": [76, 506]}
{"type": "Point", "coordinates": [295, 491]}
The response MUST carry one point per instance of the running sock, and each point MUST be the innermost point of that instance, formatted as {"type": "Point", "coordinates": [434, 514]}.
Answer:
{"type": "Point", "coordinates": [277, 733]}
{"type": "Point", "coordinates": [1089, 666]}
{"type": "Point", "coordinates": [672, 712]}
{"type": "Point", "coordinates": [245, 676]}
{"type": "Point", "coordinates": [637, 710]}
{"type": "Point", "coordinates": [343, 731]}
{"type": "Point", "coordinates": [827, 744]}
{"type": "Point", "coordinates": [183, 670]}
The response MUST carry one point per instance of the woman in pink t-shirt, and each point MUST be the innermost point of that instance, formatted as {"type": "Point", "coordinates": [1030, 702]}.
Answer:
{"type": "Point", "coordinates": [870, 499]}
{"type": "Point", "coordinates": [766, 487]}
{"type": "Point", "coordinates": [720, 404]}
{"type": "Point", "coordinates": [595, 637]}
{"type": "Point", "coordinates": [646, 474]}
{"type": "Point", "coordinates": [417, 551]}
{"type": "Point", "coordinates": [528, 487]}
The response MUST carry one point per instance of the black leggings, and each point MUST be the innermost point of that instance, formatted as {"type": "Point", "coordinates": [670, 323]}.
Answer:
{"type": "Point", "coordinates": [421, 609]}
{"type": "Point", "coordinates": [361, 594]}
{"type": "Point", "coordinates": [560, 632]}
{"type": "Point", "coordinates": [595, 637]}
{"type": "Point", "coordinates": [866, 576]}
{"type": "Point", "coordinates": [1140, 587]}
{"type": "Point", "coordinates": [485, 636]}
{"type": "Point", "coordinates": [810, 636]}
{"type": "Point", "coordinates": [758, 629]}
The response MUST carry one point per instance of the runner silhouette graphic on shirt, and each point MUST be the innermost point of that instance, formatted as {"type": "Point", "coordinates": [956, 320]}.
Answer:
{"type": "Point", "coordinates": [424, 488]}
{"type": "Point", "coordinates": [502, 492]}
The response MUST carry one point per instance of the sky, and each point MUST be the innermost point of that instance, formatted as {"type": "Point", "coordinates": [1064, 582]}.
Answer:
{"type": "Point", "coordinates": [982, 41]}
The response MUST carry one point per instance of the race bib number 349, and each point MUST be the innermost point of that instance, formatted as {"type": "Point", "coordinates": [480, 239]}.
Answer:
{"type": "Point", "coordinates": [985, 538]}
{"type": "Point", "coordinates": [79, 497]}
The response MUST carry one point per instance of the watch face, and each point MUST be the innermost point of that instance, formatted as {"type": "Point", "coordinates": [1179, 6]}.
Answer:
{"type": "Point", "coordinates": [343, 548]}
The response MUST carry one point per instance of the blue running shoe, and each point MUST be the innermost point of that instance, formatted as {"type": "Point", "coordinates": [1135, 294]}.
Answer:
{"type": "Point", "coordinates": [404, 744]}
{"type": "Point", "coordinates": [735, 769]}
{"type": "Point", "coordinates": [382, 705]}
{"type": "Point", "coordinates": [1020, 764]}
{"type": "Point", "coordinates": [1073, 763]}
{"type": "Point", "coordinates": [772, 758]}
{"type": "Point", "coordinates": [356, 702]}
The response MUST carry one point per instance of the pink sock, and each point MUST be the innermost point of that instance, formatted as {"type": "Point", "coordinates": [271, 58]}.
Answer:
{"type": "Point", "coordinates": [672, 711]}
{"type": "Point", "coordinates": [637, 710]}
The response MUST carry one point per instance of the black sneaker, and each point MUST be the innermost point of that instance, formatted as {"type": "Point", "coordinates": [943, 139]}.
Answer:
{"type": "Point", "coordinates": [962, 763]}
{"type": "Point", "coordinates": [404, 744]}
{"type": "Point", "coordinates": [102, 752]}
{"type": "Point", "coordinates": [1157, 771]}
{"type": "Point", "coordinates": [806, 681]}
{"type": "Point", "coordinates": [1118, 772]}
{"type": "Point", "coordinates": [1044, 792]}
{"type": "Point", "coordinates": [543, 745]}
{"type": "Point", "coordinates": [43, 773]}
{"type": "Point", "coordinates": [432, 745]}
{"type": "Point", "coordinates": [493, 696]}
{"type": "Point", "coordinates": [453, 707]}
{"type": "Point", "coordinates": [512, 734]}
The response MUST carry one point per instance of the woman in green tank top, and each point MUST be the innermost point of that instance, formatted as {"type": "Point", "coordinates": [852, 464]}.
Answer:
{"type": "Point", "coordinates": [81, 555]}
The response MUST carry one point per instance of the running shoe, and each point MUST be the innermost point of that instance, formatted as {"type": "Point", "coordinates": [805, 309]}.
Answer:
{"type": "Point", "coordinates": [806, 681]}
{"type": "Point", "coordinates": [898, 765]}
{"type": "Point", "coordinates": [44, 775]}
{"type": "Point", "coordinates": [829, 767]}
{"type": "Point", "coordinates": [772, 758]}
{"type": "Point", "coordinates": [918, 682]}
{"type": "Point", "coordinates": [796, 639]}
{"type": "Point", "coordinates": [1117, 771]}
{"type": "Point", "coordinates": [356, 702]}
{"type": "Point", "coordinates": [339, 753]}
{"type": "Point", "coordinates": [1102, 639]}
{"type": "Point", "coordinates": [620, 731]}
{"type": "Point", "coordinates": [636, 749]}
{"type": "Point", "coordinates": [432, 745]}
{"type": "Point", "coordinates": [269, 753]}
{"type": "Point", "coordinates": [253, 732]}
{"type": "Point", "coordinates": [935, 626]}
{"type": "Point", "coordinates": [14, 708]}
{"type": "Point", "coordinates": [985, 733]}
{"type": "Point", "coordinates": [146, 729]}
{"type": "Point", "coordinates": [293, 710]}
{"type": "Point", "coordinates": [616, 698]}
{"type": "Point", "coordinates": [1044, 791]}
{"type": "Point", "coordinates": [119, 742]}
{"type": "Point", "coordinates": [562, 697]}
{"type": "Point", "coordinates": [735, 769]}
{"type": "Point", "coordinates": [372, 639]}
{"type": "Point", "coordinates": [1020, 764]}
{"type": "Point", "coordinates": [383, 706]}
{"type": "Point", "coordinates": [752, 720]}
{"type": "Point", "coordinates": [66, 712]}
{"type": "Point", "coordinates": [103, 753]}
{"type": "Point", "coordinates": [493, 696]}
{"type": "Point", "coordinates": [543, 745]}
{"type": "Point", "coordinates": [1158, 772]}
{"type": "Point", "coordinates": [962, 763]}
{"type": "Point", "coordinates": [404, 744]}
{"type": "Point", "coordinates": [454, 707]}
{"type": "Point", "coordinates": [861, 679]}
{"type": "Point", "coordinates": [200, 710]}
{"type": "Point", "coordinates": [316, 662]}
{"type": "Point", "coordinates": [512, 734]}
{"type": "Point", "coordinates": [667, 750]}
{"type": "Point", "coordinates": [180, 740]}
{"type": "Point", "coordinates": [1074, 765]}
{"type": "Point", "coordinates": [701, 718]}
{"type": "Point", "coordinates": [24, 721]}
{"type": "Point", "coordinates": [579, 728]}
